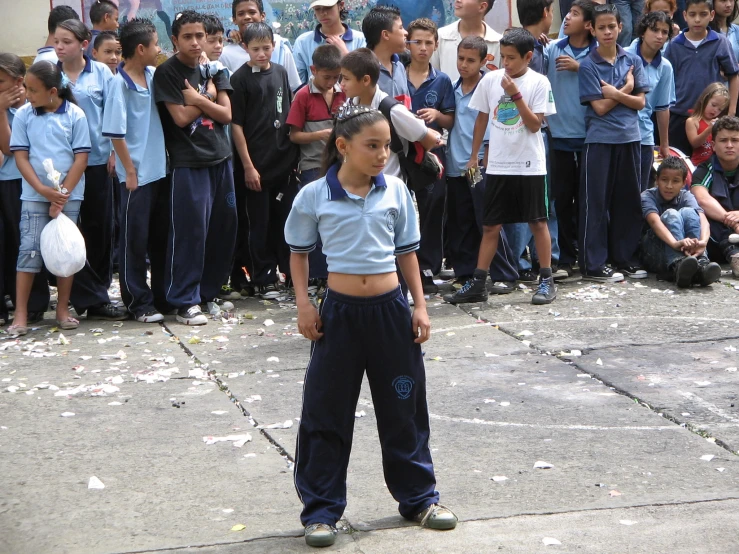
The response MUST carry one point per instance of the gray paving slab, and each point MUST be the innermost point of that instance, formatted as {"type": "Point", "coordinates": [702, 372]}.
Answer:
{"type": "Point", "coordinates": [695, 385]}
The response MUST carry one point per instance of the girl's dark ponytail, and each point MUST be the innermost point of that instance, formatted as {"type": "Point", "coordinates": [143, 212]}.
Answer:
{"type": "Point", "coordinates": [350, 121]}
{"type": "Point", "coordinates": [52, 77]}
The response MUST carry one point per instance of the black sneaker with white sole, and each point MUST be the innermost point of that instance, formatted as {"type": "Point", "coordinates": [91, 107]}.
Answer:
{"type": "Point", "coordinates": [604, 274]}
{"type": "Point", "coordinates": [502, 287]}
{"type": "Point", "coordinates": [191, 316]}
{"type": "Point", "coordinates": [472, 291]}
{"type": "Point", "coordinates": [633, 272]}
{"type": "Point", "coordinates": [545, 293]}
{"type": "Point", "coordinates": [528, 276]}
{"type": "Point", "coordinates": [427, 280]}
{"type": "Point", "coordinates": [150, 316]}
{"type": "Point", "coordinates": [107, 312]}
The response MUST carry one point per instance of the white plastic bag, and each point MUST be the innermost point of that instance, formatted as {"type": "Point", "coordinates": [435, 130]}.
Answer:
{"type": "Point", "coordinates": [63, 247]}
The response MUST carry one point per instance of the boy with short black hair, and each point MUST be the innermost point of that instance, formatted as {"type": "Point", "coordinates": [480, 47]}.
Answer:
{"type": "Point", "coordinates": [244, 13]}
{"type": "Point", "coordinates": [464, 200]}
{"type": "Point", "coordinates": [107, 50]}
{"type": "Point", "coordinates": [383, 30]}
{"type": "Point", "coordinates": [471, 23]}
{"type": "Point", "coordinates": [132, 122]}
{"type": "Point", "coordinates": [699, 56]}
{"type": "Point", "coordinates": [265, 162]}
{"type": "Point", "coordinates": [715, 185]}
{"type": "Point", "coordinates": [677, 231]}
{"type": "Point", "coordinates": [612, 85]}
{"type": "Point", "coordinates": [432, 99]}
{"type": "Point", "coordinates": [562, 60]}
{"type": "Point", "coordinates": [56, 16]}
{"type": "Point", "coordinates": [194, 112]}
{"type": "Point", "coordinates": [536, 17]}
{"type": "Point", "coordinates": [104, 17]}
{"type": "Point", "coordinates": [514, 102]}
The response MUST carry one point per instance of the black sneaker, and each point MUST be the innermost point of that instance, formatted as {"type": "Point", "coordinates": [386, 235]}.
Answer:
{"type": "Point", "coordinates": [567, 268]}
{"type": "Point", "coordinates": [708, 272]}
{"type": "Point", "coordinates": [685, 269]}
{"type": "Point", "coordinates": [472, 291]}
{"type": "Point", "coordinates": [502, 287]}
{"type": "Point", "coordinates": [528, 276]}
{"type": "Point", "coordinates": [604, 274]}
{"type": "Point", "coordinates": [191, 316]}
{"type": "Point", "coordinates": [268, 292]}
{"type": "Point", "coordinates": [633, 272]}
{"type": "Point", "coordinates": [559, 273]}
{"type": "Point", "coordinates": [546, 292]}
{"type": "Point", "coordinates": [427, 280]}
{"type": "Point", "coordinates": [107, 312]}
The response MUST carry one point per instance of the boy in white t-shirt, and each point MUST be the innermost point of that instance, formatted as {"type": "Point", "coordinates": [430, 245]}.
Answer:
{"type": "Point", "coordinates": [514, 101]}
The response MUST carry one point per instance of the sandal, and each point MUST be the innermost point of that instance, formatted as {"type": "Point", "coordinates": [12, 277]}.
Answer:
{"type": "Point", "coordinates": [17, 330]}
{"type": "Point", "coordinates": [68, 324]}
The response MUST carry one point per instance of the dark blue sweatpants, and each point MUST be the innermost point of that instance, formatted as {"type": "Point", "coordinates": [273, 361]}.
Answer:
{"type": "Point", "coordinates": [610, 205]}
{"type": "Point", "coordinates": [431, 202]}
{"type": "Point", "coordinates": [144, 226]}
{"type": "Point", "coordinates": [372, 334]}
{"type": "Point", "coordinates": [202, 233]}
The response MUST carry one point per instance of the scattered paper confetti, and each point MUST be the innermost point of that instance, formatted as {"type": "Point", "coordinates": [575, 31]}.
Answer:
{"type": "Point", "coordinates": [599, 362]}
{"type": "Point", "coordinates": [543, 465]}
{"type": "Point", "coordinates": [238, 527]}
{"type": "Point", "coordinates": [549, 541]}
{"type": "Point", "coordinates": [614, 493]}
{"type": "Point", "coordinates": [268, 323]}
{"type": "Point", "coordinates": [499, 478]}
{"type": "Point", "coordinates": [238, 440]}
{"type": "Point", "coordinates": [95, 483]}
{"type": "Point", "coordinates": [67, 414]}
{"type": "Point", "coordinates": [627, 522]}
{"type": "Point", "coordinates": [707, 457]}
{"type": "Point", "coordinates": [273, 359]}
{"type": "Point", "coordinates": [286, 425]}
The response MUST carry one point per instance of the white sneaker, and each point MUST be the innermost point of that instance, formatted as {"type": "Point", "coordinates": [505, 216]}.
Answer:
{"type": "Point", "coordinates": [191, 316]}
{"type": "Point", "coordinates": [734, 238]}
{"type": "Point", "coordinates": [152, 316]}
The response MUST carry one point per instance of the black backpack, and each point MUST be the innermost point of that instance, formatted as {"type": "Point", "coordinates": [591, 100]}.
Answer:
{"type": "Point", "coordinates": [420, 167]}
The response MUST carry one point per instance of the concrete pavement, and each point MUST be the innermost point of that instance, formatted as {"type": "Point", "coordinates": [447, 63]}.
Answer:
{"type": "Point", "coordinates": [629, 391]}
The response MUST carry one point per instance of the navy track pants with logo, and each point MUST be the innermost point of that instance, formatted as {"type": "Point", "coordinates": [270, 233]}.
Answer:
{"type": "Point", "coordinates": [373, 334]}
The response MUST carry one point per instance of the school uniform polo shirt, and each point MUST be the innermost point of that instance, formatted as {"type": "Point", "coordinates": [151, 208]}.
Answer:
{"type": "Point", "coordinates": [696, 68]}
{"type": "Point", "coordinates": [732, 36]}
{"type": "Point", "coordinates": [234, 56]}
{"type": "Point", "coordinates": [569, 121]}
{"type": "Point", "coordinates": [47, 54]}
{"type": "Point", "coordinates": [661, 95]}
{"type": "Point", "coordinates": [131, 114]}
{"type": "Point", "coordinates": [444, 57]}
{"type": "Point", "coordinates": [435, 92]}
{"type": "Point", "coordinates": [360, 236]}
{"type": "Point", "coordinates": [310, 113]}
{"type": "Point", "coordinates": [90, 91]}
{"type": "Point", "coordinates": [58, 136]}
{"type": "Point", "coordinates": [621, 124]}
{"type": "Point", "coordinates": [722, 186]}
{"type": "Point", "coordinates": [307, 42]}
{"type": "Point", "coordinates": [91, 45]}
{"type": "Point", "coordinates": [459, 144]}
{"type": "Point", "coordinates": [9, 169]}
{"type": "Point", "coordinates": [395, 84]}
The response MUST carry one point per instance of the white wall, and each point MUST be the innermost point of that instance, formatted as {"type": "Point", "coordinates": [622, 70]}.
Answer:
{"type": "Point", "coordinates": [23, 25]}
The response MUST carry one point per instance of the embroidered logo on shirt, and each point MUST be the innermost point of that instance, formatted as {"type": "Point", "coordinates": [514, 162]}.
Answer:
{"type": "Point", "coordinates": [403, 386]}
{"type": "Point", "coordinates": [431, 99]}
{"type": "Point", "coordinates": [391, 216]}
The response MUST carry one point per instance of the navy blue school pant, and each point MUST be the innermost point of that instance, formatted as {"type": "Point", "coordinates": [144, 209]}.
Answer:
{"type": "Point", "coordinates": [10, 240]}
{"type": "Point", "coordinates": [143, 231]}
{"type": "Point", "coordinates": [361, 334]}
{"type": "Point", "coordinates": [202, 233]}
{"type": "Point", "coordinates": [566, 168]}
{"type": "Point", "coordinates": [610, 205]}
{"type": "Point", "coordinates": [266, 214]}
{"type": "Point", "coordinates": [645, 165]}
{"type": "Point", "coordinates": [431, 202]}
{"type": "Point", "coordinates": [464, 228]}
{"type": "Point", "coordinates": [677, 133]}
{"type": "Point", "coordinates": [317, 264]}
{"type": "Point", "coordinates": [97, 221]}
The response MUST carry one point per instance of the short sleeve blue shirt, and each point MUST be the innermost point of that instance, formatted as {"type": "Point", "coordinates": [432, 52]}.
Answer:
{"type": "Point", "coordinates": [58, 136]}
{"type": "Point", "coordinates": [652, 202]}
{"type": "Point", "coordinates": [8, 169]}
{"type": "Point", "coordinates": [621, 124]}
{"type": "Point", "coordinates": [306, 44]}
{"type": "Point", "coordinates": [435, 92]}
{"type": "Point", "coordinates": [459, 144]}
{"type": "Point", "coordinates": [131, 114]}
{"type": "Point", "coordinates": [661, 95]}
{"type": "Point", "coordinates": [396, 84]}
{"type": "Point", "coordinates": [360, 236]}
{"type": "Point", "coordinates": [91, 91]}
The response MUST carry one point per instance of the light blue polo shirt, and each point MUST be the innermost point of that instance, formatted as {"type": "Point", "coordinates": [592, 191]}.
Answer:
{"type": "Point", "coordinates": [8, 169]}
{"type": "Point", "coordinates": [459, 144]}
{"type": "Point", "coordinates": [90, 91]}
{"type": "Point", "coordinates": [396, 84]}
{"type": "Point", "coordinates": [621, 124]}
{"type": "Point", "coordinates": [58, 135]}
{"type": "Point", "coordinates": [569, 121]}
{"type": "Point", "coordinates": [131, 114]}
{"type": "Point", "coordinates": [361, 236]}
{"type": "Point", "coordinates": [733, 36]}
{"type": "Point", "coordinates": [661, 95]}
{"type": "Point", "coordinates": [307, 42]}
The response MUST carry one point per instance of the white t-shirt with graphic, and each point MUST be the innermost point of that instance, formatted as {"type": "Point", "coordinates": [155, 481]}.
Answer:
{"type": "Point", "coordinates": [513, 149]}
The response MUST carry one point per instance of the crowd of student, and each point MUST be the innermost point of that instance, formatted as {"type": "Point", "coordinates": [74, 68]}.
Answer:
{"type": "Point", "coordinates": [191, 170]}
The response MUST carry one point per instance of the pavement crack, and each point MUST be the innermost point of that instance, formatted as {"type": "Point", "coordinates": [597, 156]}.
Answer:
{"type": "Point", "coordinates": [224, 388]}
{"type": "Point", "coordinates": [695, 429]}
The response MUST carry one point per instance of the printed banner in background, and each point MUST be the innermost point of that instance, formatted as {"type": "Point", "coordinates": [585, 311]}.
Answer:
{"type": "Point", "coordinates": [294, 17]}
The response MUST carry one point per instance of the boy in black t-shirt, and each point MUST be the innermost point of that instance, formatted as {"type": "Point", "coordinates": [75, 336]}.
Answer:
{"type": "Point", "coordinates": [194, 113]}
{"type": "Point", "coordinates": [265, 161]}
